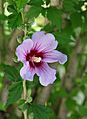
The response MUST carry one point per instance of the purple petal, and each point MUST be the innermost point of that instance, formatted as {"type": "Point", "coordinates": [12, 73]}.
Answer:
{"type": "Point", "coordinates": [37, 35]}
{"type": "Point", "coordinates": [55, 56]}
{"type": "Point", "coordinates": [26, 74]}
{"type": "Point", "coordinates": [44, 42]}
{"type": "Point", "coordinates": [22, 49]}
{"type": "Point", "coordinates": [46, 74]}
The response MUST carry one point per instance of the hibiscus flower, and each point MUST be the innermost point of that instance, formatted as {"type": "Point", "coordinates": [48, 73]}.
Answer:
{"type": "Point", "coordinates": [36, 53]}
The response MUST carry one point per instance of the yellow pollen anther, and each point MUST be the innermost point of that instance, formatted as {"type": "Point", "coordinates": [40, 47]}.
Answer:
{"type": "Point", "coordinates": [36, 59]}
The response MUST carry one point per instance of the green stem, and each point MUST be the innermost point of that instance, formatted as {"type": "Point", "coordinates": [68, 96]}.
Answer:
{"type": "Point", "coordinates": [24, 81]}
{"type": "Point", "coordinates": [24, 96]}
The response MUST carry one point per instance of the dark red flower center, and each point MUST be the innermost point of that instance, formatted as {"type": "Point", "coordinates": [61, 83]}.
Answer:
{"type": "Point", "coordinates": [34, 58]}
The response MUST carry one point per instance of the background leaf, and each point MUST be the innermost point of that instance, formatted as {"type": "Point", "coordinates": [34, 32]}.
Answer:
{"type": "Point", "coordinates": [20, 4]}
{"type": "Point", "coordinates": [55, 16]}
{"type": "Point", "coordinates": [14, 20]}
{"type": "Point", "coordinates": [15, 92]}
{"type": "Point", "coordinates": [36, 2]}
{"type": "Point", "coordinates": [11, 72]}
{"type": "Point", "coordinates": [34, 12]}
{"type": "Point", "coordinates": [39, 111]}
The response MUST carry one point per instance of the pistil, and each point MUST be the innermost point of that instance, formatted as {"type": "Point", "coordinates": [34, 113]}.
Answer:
{"type": "Point", "coordinates": [36, 59]}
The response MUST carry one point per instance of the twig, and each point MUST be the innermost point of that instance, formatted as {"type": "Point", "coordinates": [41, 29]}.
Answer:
{"type": "Point", "coordinates": [24, 96]}
{"type": "Point", "coordinates": [24, 81]}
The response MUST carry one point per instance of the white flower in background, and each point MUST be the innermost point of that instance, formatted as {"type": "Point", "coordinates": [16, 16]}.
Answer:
{"type": "Point", "coordinates": [79, 98]}
{"type": "Point", "coordinates": [84, 6]}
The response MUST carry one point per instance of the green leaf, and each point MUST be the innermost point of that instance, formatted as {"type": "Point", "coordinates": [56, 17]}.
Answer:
{"type": "Point", "coordinates": [34, 12]}
{"type": "Point", "coordinates": [32, 84]}
{"type": "Point", "coordinates": [74, 115]}
{"type": "Point", "coordinates": [64, 38]}
{"type": "Point", "coordinates": [48, 28]}
{"type": "Point", "coordinates": [11, 72]}
{"type": "Point", "coordinates": [83, 110]}
{"type": "Point", "coordinates": [47, 2]}
{"type": "Point", "coordinates": [70, 104]}
{"type": "Point", "coordinates": [20, 4]}
{"type": "Point", "coordinates": [39, 111]}
{"type": "Point", "coordinates": [36, 2]}
{"type": "Point", "coordinates": [70, 5]}
{"type": "Point", "coordinates": [76, 20]}
{"type": "Point", "coordinates": [11, 8]}
{"type": "Point", "coordinates": [15, 92]}
{"type": "Point", "coordinates": [14, 20]}
{"type": "Point", "coordinates": [84, 26]}
{"type": "Point", "coordinates": [22, 105]}
{"type": "Point", "coordinates": [54, 15]}
{"type": "Point", "coordinates": [2, 106]}
{"type": "Point", "coordinates": [12, 116]}
{"type": "Point", "coordinates": [84, 80]}
{"type": "Point", "coordinates": [2, 17]}
{"type": "Point", "coordinates": [62, 93]}
{"type": "Point", "coordinates": [11, 2]}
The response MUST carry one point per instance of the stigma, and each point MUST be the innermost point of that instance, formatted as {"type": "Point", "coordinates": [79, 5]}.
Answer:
{"type": "Point", "coordinates": [36, 59]}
